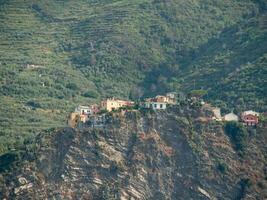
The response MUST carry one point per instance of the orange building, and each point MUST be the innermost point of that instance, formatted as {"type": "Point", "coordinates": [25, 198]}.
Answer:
{"type": "Point", "coordinates": [111, 104]}
{"type": "Point", "coordinates": [160, 102]}
{"type": "Point", "coordinates": [169, 98]}
{"type": "Point", "coordinates": [250, 118]}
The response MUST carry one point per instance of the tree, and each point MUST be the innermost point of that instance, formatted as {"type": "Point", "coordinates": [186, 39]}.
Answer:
{"type": "Point", "coordinates": [221, 167]}
{"type": "Point", "coordinates": [7, 160]}
{"type": "Point", "coordinates": [91, 94]}
{"type": "Point", "coordinates": [72, 86]}
{"type": "Point", "coordinates": [238, 135]}
{"type": "Point", "coordinates": [33, 104]}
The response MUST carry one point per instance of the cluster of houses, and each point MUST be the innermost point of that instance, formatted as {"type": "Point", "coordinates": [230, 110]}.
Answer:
{"type": "Point", "coordinates": [249, 118]}
{"type": "Point", "coordinates": [159, 102]}
{"type": "Point", "coordinates": [92, 112]}
{"type": "Point", "coordinates": [85, 113]}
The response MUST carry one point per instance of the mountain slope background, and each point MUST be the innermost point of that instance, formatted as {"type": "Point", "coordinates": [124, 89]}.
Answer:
{"type": "Point", "coordinates": [57, 54]}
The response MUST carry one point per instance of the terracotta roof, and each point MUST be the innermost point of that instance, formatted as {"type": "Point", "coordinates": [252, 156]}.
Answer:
{"type": "Point", "coordinates": [251, 112]}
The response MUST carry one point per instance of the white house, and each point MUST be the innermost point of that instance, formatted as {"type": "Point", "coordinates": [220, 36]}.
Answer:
{"type": "Point", "coordinates": [83, 110]}
{"type": "Point", "coordinates": [230, 117]}
{"type": "Point", "coordinates": [155, 105]}
{"type": "Point", "coordinates": [160, 102]}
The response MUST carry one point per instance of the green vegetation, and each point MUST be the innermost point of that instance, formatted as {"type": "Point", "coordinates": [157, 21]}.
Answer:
{"type": "Point", "coordinates": [57, 54]}
{"type": "Point", "coordinates": [232, 67]}
{"type": "Point", "coordinates": [198, 93]}
{"type": "Point", "coordinates": [263, 119]}
{"type": "Point", "coordinates": [238, 135]}
{"type": "Point", "coordinates": [245, 184]}
{"type": "Point", "coordinates": [7, 160]}
{"type": "Point", "coordinates": [221, 167]}
{"type": "Point", "coordinates": [91, 94]}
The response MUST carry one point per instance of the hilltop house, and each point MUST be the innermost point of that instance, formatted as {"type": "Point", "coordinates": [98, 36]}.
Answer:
{"type": "Point", "coordinates": [230, 117]}
{"type": "Point", "coordinates": [149, 103]}
{"type": "Point", "coordinates": [73, 119]}
{"type": "Point", "coordinates": [251, 112]}
{"type": "Point", "coordinates": [111, 104]}
{"type": "Point", "coordinates": [84, 118]}
{"type": "Point", "coordinates": [169, 98]}
{"type": "Point", "coordinates": [250, 118]}
{"type": "Point", "coordinates": [87, 110]}
{"type": "Point", "coordinates": [83, 110]}
{"type": "Point", "coordinates": [217, 114]}
{"type": "Point", "coordinates": [82, 114]}
{"type": "Point", "coordinates": [95, 109]}
{"type": "Point", "coordinates": [160, 102]}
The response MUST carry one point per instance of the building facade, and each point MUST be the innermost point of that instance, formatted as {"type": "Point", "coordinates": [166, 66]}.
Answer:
{"type": "Point", "coordinates": [95, 109]}
{"type": "Point", "coordinates": [250, 118]}
{"type": "Point", "coordinates": [160, 102]}
{"type": "Point", "coordinates": [168, 99]}
{"type": "Point", "coordinates": [114, 104]}
{"type": "Point", "coordinates": [83, 110]}
{"type": "Point", "coordinates": [155, 105]}
{"type": "Point", "coordinates": [230, 117]}
{"type": "Point", "coordinates": [217, 114]}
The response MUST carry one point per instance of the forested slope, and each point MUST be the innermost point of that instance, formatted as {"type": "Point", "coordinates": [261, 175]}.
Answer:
{"type": "Point", "coordinates": [57, 54]}
{"type": "Point", "coordinates": [232, 67]}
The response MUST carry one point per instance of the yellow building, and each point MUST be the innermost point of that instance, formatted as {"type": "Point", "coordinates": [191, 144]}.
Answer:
{"type": "Point", "coordinates": [111, 104]}
{"type": "Point", "coordinates": [73, 119]}
{"type": "Point", "coordinates": [83, 118]}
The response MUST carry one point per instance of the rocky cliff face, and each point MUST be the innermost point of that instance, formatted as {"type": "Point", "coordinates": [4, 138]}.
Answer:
{"type": "Point", "coordinates": [142, 155]}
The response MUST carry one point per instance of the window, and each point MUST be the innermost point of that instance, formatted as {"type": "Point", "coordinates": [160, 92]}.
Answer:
{"type": "Point", "coordinates": [155, 105]}
{"type": "Point", "coordinates": [161, 106]}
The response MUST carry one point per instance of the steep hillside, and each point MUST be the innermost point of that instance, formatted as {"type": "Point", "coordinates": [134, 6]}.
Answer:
{"type": "Point", "coordinates": [232, 66]}
{"type": "Point", "coordinates": [57, 54]}
{"type": "Point", "coordinates": [142, 155]}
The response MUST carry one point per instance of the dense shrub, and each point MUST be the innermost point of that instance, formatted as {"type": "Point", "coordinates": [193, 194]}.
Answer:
{"type": "Point", "coordinates": [33, 104]}
{"type": "Point", "coordinates": [245, 184]}
{"type": "Point", "coordinates": [221, 167]}
{"type": "Point", "coordinates": [72, 86]}
{"type": "Point", "coordinates": [91, 94]}
{"type": "Point", "coordinates": [238, 135]}
{"type": "Point", "coordinates": [7, 160]}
